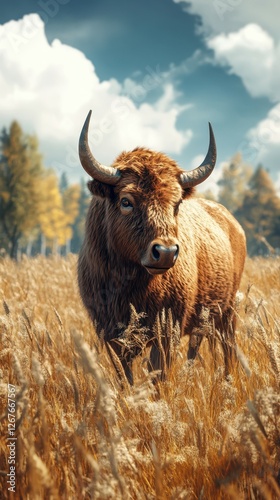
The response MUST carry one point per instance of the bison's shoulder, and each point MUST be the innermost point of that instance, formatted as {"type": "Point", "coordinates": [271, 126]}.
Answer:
{"type": "Point", "coordinates": [231, 229]}
{"type": "Point", "coordinates": [220, 215]}
{"type": "Point", "coordinates": [215, 233]}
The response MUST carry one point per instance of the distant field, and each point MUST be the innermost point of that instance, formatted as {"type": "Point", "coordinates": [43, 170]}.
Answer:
{"type": "Point", "coordinates": [79, 435]}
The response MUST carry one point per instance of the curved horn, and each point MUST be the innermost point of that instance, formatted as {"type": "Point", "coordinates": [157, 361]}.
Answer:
{"type": "Point", "coordinates": [199, 174]}
{"type": "Point", "coordinates": [108, 175]}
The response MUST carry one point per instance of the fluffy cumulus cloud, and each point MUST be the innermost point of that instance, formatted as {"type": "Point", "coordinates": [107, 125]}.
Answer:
{"type": "Point", "coordinates": [263, 141]}
{"type": "Point", "coordinates": [227, 16]}
{"type": "Point", "coordinates": [49, 89]}
{"type": "Point", "coordinates": [245, 39]}
{"type": "Point", "coordinates": [252, 54]}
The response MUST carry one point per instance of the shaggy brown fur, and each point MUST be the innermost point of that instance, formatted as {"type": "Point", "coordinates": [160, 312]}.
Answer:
{"type": "Point", "coordinates": [207, 272]}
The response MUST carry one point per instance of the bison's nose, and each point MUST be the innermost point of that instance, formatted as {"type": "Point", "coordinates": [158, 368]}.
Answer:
{"type": "Point", "coordinates": [165, 256]}
{"type": "Point", "coordinates": [159, 258]}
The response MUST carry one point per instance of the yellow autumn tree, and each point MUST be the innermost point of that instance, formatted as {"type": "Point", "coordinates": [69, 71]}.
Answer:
{"type": "Point", "coordinates": [20, 197]}
{"type": "Point", "coordinates": [260, 214]}
{"type": "Point", "coordinates": [54, 226]}
{"type": "Point", "coordinates": [233, 183]}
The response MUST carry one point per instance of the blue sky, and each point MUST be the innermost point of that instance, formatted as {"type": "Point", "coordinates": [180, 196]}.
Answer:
{"type": "Point", "coordinates": [153, 72]}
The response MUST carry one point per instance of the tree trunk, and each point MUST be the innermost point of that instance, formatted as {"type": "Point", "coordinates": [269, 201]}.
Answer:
{"type": "Point", "coordinates": [19, 254]}
{"type": "Point", "coordinates": [29, 247]}
{"type": "Point", "coordinates": [43, 244]}
{"type": "Point", "coordinates": [68, 246]}
{"type": "Point", "coordinates": [55, 247]}
{"type": "Point", "coordinates": [14, 248]}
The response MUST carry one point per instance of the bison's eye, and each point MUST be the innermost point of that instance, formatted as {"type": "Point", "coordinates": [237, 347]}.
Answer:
{"type": "Point", "coordinates": [126, 205]}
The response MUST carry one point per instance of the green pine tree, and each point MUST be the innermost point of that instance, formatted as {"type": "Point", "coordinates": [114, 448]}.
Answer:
{"type": "Point", "coordinates": [79, 223]}
{"type": "Point", "coordinates": [63, 182]}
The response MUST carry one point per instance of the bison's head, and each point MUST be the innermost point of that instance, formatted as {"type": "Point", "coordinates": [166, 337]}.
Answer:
{"type": "Point", "coordinates": [144, 190]}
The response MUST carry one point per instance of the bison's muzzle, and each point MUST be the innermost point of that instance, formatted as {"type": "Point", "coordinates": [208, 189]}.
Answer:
{"type": "Point", "coordinates": [159, 258]}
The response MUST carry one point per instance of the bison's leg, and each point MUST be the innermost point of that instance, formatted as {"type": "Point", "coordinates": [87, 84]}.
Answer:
{"type": "Point", "coordinates": [229, 344]}
{"type": "Point", "coordinates": [118, 357]}
{"type": "Point", "coordinates": [198, 328]}
{"type": "Point", "coordinates": [226, 325]}
{"type": "Point", "coordinates": [194, 344]}
{"type": "Point", "coordinates": [160, 357]}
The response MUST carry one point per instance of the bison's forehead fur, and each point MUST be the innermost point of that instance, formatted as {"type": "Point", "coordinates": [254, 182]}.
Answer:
{"type": "Point", "coordinates": [149, 174]}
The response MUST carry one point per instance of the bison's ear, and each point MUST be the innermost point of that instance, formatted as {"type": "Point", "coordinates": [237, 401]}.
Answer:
{"type": "Point", "coordinates": [100, 189]}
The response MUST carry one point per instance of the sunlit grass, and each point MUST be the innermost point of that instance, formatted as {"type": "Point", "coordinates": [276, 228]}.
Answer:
{"type": "Point", "coordinates": [80, 435]}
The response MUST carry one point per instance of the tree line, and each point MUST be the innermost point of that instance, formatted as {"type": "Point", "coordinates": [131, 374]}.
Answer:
{"type": "Point", "coordinates": [42, 213]}
{"type": "Point", "coordinates": [39, 212]}
{"type": "Point", "coordinates": [251, 196]}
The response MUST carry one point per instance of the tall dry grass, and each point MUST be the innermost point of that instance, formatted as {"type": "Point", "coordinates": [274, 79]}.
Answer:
{"type": "Point", "coordinates": [79, 435]}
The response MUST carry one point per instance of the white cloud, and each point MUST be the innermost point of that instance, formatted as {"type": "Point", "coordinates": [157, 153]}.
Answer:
{"type": "Point", "coordinates": [230, 15]}
{"type": "Point", "coordinates": [264, 140]}
{"type": "Point", "coordinates": [252, 54]}
{"type": "Point", "coordinates": [49, 89]}
{"type": "Point", "coordinates": [245, 38]}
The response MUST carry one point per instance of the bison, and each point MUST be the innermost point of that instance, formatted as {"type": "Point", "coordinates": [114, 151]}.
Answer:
{"type": "Point", "coordinates": [151, 243]}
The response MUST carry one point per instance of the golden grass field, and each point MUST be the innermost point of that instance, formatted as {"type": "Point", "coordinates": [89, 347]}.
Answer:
{"type": "Point", "coordinates": [80, 435]}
